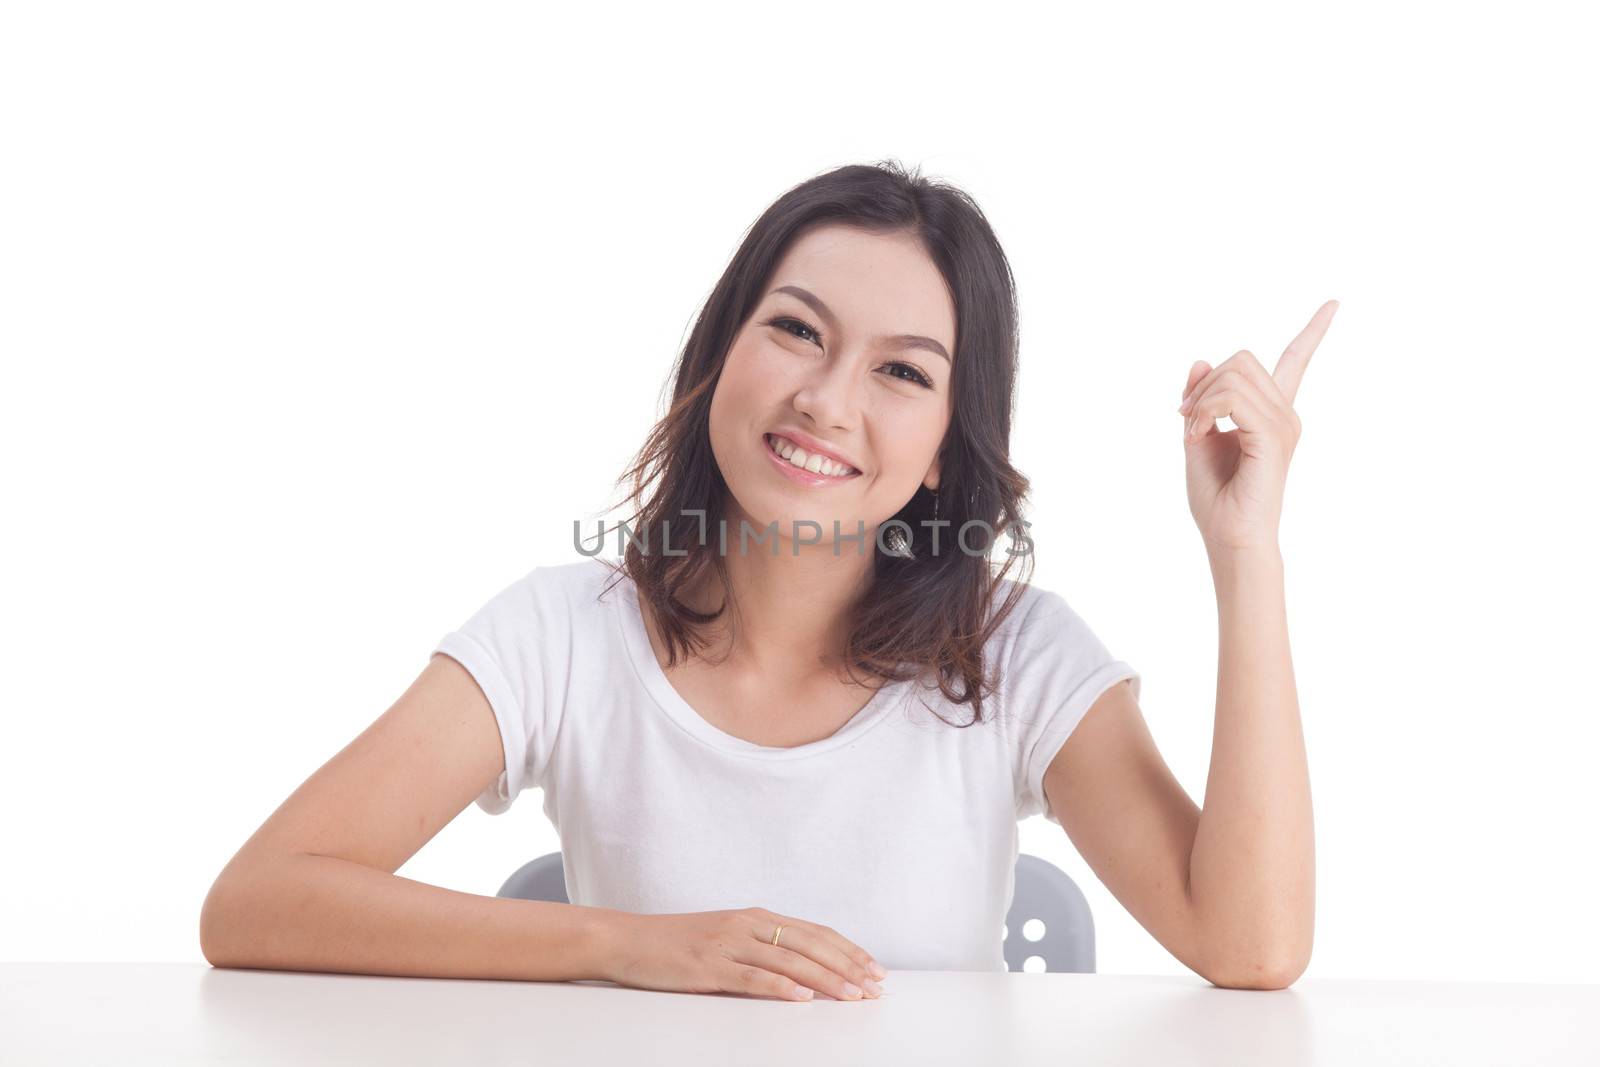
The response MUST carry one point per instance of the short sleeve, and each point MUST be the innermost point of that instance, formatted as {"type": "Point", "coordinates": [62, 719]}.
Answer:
{"type": "Point", "coordinates": [505, 646]}
{"type": "Point", "coordinates": [1056, 670]}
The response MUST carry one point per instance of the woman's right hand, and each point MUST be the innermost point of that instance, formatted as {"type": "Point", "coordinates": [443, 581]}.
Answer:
{"type": "Point", "coordinates": [732, 952]}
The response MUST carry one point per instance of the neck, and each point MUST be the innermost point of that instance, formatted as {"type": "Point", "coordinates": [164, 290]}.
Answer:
{"type": "Point", "coordinates": [792, 608]}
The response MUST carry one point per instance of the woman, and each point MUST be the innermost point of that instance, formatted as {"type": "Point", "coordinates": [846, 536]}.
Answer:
{"type": "Point", "coordinates": [743, 733]}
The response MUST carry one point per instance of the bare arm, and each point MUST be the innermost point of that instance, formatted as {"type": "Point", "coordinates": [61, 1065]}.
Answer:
{"type": "Point", "coordinates": [1228, 890]}
{"type": "Point", "coordinates": [314, 890]}
{"type": "Point", "coordinates": [1252, 875]}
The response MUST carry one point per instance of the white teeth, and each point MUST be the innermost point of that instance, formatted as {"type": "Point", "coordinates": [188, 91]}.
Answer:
{"type": "Point", "coordinates": [816, 464]}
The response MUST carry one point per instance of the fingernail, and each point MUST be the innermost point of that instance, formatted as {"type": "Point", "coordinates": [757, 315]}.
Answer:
{"type": "Point", "coordinates": [873, 987]}
{"type": "Point", "coordinates": [1184, 407]}
{"type": "Point", "coordinates": [851, 989]}
{"type": "Point", "coordinates": [877, 969]}
{"type": "Point", "coordinates": [803, 993]}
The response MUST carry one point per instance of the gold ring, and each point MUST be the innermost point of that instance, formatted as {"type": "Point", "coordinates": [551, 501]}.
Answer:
{"type": "Point", "coordinates": [775, 934]}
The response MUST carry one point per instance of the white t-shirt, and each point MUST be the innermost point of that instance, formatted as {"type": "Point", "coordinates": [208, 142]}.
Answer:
{"type": "Point", "coordinates": [899, 830]}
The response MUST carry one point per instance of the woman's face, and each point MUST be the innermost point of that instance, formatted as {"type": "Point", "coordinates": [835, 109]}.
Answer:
{"type": "Point", "coordinates": [848, 352]}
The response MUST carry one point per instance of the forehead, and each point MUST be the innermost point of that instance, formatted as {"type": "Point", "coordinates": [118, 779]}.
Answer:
{"type": "Point", "coordinates": [875, 283]}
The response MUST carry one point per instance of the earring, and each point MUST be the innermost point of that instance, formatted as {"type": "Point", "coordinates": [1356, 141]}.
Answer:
{"type": "Point", "coordinates": [895, 539]}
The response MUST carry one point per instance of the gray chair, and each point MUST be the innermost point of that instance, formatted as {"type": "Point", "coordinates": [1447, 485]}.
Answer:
{"type": "Point", "coordinates": [1043, 891]}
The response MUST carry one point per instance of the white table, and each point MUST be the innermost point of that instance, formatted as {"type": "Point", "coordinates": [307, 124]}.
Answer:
{"type": "Point", "coordinates": [172, 1013]}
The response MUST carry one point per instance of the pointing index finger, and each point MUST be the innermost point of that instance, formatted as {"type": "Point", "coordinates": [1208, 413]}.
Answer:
{"type": "Point", "coordinates": [1292, 364]}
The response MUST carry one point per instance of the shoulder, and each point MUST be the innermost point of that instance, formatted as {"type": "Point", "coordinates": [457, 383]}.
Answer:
{"type": "Point", "coordinates": [571, 585]}
{"type": "Point", "coordinates": [1036, 608]}
{"type": "Point", "coordinates": [549, 595]}
{"type": "Point", "coordinates": [1042, 626]}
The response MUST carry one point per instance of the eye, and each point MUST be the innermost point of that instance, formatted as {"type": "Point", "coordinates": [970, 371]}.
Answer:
{"type": "Point", "coordinates": [916, 376]}
{"type": "Point", "coordinates": [784, 323]}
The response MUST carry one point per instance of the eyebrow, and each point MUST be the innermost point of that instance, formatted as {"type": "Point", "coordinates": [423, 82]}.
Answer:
{"type": "Point", "coordinates": [899, 340]}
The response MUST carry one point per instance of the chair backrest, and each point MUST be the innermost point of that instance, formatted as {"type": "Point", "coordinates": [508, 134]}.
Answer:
{"type": "Point", "coordinates": [1048, 894]}
{"type": "Point", "coordinates": [1044, 892]}
{"type": "Point", "coordinates": [540, 879]}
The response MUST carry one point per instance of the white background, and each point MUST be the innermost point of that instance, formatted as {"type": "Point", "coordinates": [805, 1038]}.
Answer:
{"type": "Point", "coordinates": [321, 322]}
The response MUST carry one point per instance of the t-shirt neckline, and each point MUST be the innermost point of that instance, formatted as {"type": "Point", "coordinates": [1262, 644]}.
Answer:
{"type": "Point", "coordinates": [643, 657]}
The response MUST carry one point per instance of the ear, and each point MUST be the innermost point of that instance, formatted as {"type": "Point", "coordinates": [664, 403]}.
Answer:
{"type": "Point", "coordinates": [931, 479]}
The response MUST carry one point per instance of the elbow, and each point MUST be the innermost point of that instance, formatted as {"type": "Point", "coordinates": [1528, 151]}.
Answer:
{"type": "Point", "coordinates": [1276, 967]}
{"type": "Point", "coordinates": [1260, 975]}
{"type": "Point", "coordinates": [212, 927]}
{"type": "Point", "coordinates": [219, 926]}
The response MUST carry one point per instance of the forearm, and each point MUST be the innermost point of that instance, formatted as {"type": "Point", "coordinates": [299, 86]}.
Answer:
{"type": "Point", "coordinates": [1251, 871]}
{"type": "Point", "coordinates": [320, 913]}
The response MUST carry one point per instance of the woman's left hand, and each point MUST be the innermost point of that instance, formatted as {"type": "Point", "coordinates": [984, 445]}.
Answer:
{"type": "Point", "coordinates": [1236, 477]}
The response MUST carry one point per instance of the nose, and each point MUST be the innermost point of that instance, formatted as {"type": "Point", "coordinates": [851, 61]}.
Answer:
{"type": "Point", "coordinates": [831, 394]}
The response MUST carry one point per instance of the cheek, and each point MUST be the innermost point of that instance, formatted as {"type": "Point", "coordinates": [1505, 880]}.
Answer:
{"type": "Point", "coordinates": [749, 371]}
{"type": "Point", "coordinates": [740, 395]}
{"type": "Point", "coordinates": [907, 444]}
{"type": "Point", "coordinates": [755, 379]}
{"type": "Point", "coordinates": [767, 364]}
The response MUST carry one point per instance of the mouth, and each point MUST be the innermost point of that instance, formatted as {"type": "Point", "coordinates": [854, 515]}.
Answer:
{"type": "Point", "coordinates": [802, 466]}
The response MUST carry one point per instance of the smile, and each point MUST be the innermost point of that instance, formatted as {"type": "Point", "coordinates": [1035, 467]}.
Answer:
{"type": "Point", "coordinates": [808, 469]}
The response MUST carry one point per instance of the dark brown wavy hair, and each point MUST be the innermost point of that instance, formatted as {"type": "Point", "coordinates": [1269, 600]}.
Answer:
{"type": "Point", "coordinates": [930, 614]}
